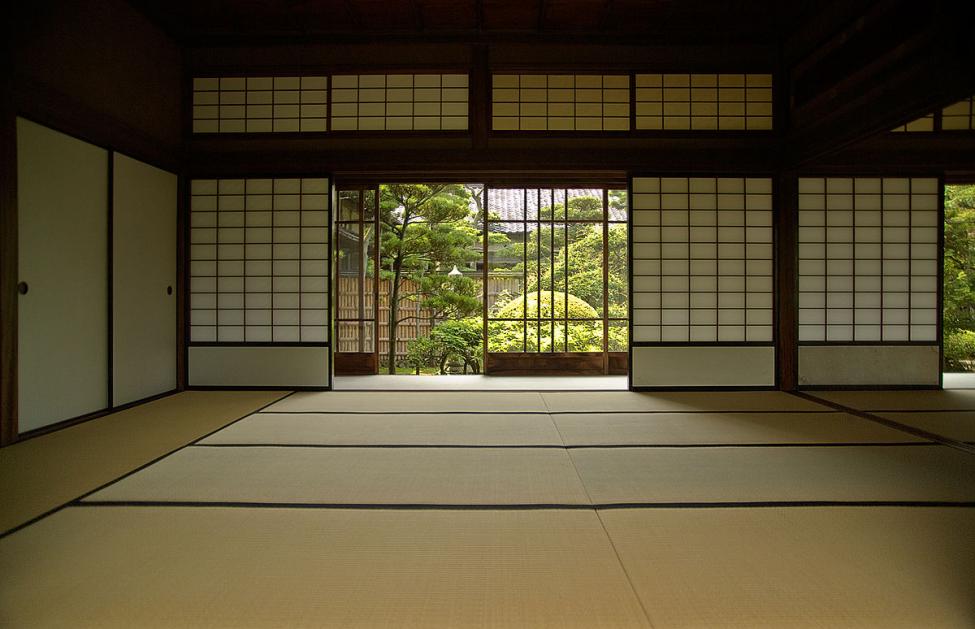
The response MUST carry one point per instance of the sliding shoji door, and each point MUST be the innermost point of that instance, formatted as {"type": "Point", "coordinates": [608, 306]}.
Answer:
{"type": "Point", "coordinates": [143, 280]}
{"type": "Point", "coordinates": [702, 269]}
{"type": "Point", "coordinates": [259, 282]}
{"type": "Point", "coordinates": [869, 281]}
{"type": "Point", "coordinates": [63, 315]}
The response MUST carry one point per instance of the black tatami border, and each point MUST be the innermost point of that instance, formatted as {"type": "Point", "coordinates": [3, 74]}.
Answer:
{"type": "Point", "coordinates": [890, 423]}
{"type": "Point", "coordinates": [37, 518]}
{"type": "Point", "coordinates": [583, 412]}
{"type": "Point", "coordinates": [324, 506]}
{"type": "Point", "coordinates": [931, 439]}
{"type": "Point", "coordinates": [549, 446]}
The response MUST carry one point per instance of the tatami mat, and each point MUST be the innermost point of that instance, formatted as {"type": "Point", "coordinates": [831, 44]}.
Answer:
{"type": "Point", "coordinates": [42, 473]}
{"type": "Point", "coordinates": [957, 425]}
{"type": "Point", "coordinates": [391, 429]}
{"type": "Point", "coordinates": [855, 473]}
{"type": "Point", "coordinates": [902, 568]}
{"type": "Point", "coordinates": [901, 400]}
{"type": "Point", "coordinates": [480, 476]}
{"type": "Point", "coordinates": [587, 429]}
{"type": "Point", "coordinates": [410, 402]}
{"type": "Point", "coordinates": [210, 567]}
{"type": "Point", "coordinates": [675, 401]}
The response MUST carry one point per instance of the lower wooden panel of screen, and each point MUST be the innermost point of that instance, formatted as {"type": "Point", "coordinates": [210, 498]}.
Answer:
{"type": "Point", "coordinates": [704, 366]}
{"type": "Point", "coordinates": [869, 365]}
{"type": "Point", "coordinates": [267, 366]}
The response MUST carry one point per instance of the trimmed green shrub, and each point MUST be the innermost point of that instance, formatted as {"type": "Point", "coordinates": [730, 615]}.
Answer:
{"type": "Point", "coordinates": [959, 350]}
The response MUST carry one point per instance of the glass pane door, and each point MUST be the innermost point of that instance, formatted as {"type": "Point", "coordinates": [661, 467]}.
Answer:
{"type": "Point", "coordinates": [356, 263]}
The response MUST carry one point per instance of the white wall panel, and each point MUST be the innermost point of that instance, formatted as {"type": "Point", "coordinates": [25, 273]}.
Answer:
{"type": "Point", "coordinates": [284, 366]}
{"type": "Point", "coordinates": [869, 365]}
{"type": "Point", "coordinates": [702, 366]}
{"type": "Point", "coordinates": [62, 199]}
{"type": "Point", "coordinates": [143, 268]}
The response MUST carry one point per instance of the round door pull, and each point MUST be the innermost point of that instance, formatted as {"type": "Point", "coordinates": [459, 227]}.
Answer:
{"type": "Point", "coordinates": [22, 288]}
{"type": "Point", "coordinates": [169, 290]}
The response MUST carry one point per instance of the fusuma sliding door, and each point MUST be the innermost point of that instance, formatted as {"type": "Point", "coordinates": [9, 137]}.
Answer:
{"type": "Point", "coordinates": [63, 315]}
{"type": "Point", "coordinates": [143, 280]}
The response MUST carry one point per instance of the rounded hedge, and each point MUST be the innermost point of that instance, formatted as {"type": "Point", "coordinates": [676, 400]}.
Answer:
{"type": "Point", "coordinates": [528, 306]}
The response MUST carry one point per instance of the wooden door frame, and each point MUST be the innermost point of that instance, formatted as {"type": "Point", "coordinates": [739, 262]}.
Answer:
{"type": "Point", "coordinates": [359, 363]}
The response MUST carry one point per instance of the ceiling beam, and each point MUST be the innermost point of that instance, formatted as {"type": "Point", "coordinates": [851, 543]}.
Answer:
{"type": "Point", "coordinates": [868, 84]}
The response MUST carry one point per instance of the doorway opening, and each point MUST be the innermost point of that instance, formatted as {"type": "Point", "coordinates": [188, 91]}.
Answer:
{"type": "Point", "coordinates": [958, 293]}
{"type": "Point", "coordinates": [471, 279]}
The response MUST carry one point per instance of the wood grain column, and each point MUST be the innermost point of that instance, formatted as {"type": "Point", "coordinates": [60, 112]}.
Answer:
{"type": "Point", "coordinates": [8, 259]}
{"type": "Point", "coordinates": [786, 282]}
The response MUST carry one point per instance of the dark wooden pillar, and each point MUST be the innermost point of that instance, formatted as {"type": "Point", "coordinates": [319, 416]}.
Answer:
{"type": "Point", "coordinates": [480, 97]}
{"type": "Point", "coordinates": [786, 280]}
{"type": "Point", "coordinates": [8, 258]}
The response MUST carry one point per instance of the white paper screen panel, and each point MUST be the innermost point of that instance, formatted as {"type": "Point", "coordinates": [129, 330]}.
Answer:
{"type": "Point", "coordinates": [560, 102]}
{"type": "Point", "coordinates": [868, 259]}
{"type": "Point", "coordinates": [702, 259]}
{"type": "Point", "coordinates": [259, 261]}
{"type": "Point", "coordinates": [399, 102]}
{"type": "Point", "coordinates": [260, 104]}
{"type": "Point", "coordinates": [959, 116]}
{"type": "Point", "coordinates": [704, 102]}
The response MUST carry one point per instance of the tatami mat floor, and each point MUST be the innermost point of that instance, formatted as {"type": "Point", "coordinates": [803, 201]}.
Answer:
{"type": "Point", "coordinates": [518, 509]}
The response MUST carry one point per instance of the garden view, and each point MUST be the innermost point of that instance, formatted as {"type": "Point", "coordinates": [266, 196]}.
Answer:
{"type": "Point", "coordinates": [548, 289]}
{"type": "Point", "coordinates": [959, 279]}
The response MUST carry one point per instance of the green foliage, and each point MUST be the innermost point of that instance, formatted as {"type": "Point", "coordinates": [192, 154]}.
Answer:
{"type": "Point", "coordinates": [426, 229]}
{"type": "Point", "coordinates": [959, 269]}
{"type": "Point", "coordinates": [959, 277]}
{"type": "Point", "coordinates": [540, 333]}
{"type": "Point", "coordinates": [449, 341]}
{"type": "Point", "coordinates": [585, 270]}
{"type": "Point", "coordinates": [959, 350]}
{"type": "Point", "coordinates": [541, 305]}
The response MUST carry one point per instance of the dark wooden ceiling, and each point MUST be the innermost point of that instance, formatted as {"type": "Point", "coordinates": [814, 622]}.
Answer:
{"type": "Point", "coordinates": [587, 21]}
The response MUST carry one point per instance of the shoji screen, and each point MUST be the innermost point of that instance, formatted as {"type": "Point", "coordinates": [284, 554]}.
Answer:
{"type": "Point", "coordinates": [959, 116]}
{"type": "Point", "coordinates": [869, 277]}
{"type": "Point", "coordinates": [63, 318]}
{"type": "Point", "coordinates": [260, 104]}
{"type": "Point", "coordinates": [143, 280]}
{"type": "Point", "coordinates": [704, 102]}
{"type": "Point", "coordinates": [560, 102]}
{"type": "Point", "coordinates": [399, 102]}
{"type": "Point", "coordinates": [259, 282]}
{"type": "Point", "coordinates": [702, 269]}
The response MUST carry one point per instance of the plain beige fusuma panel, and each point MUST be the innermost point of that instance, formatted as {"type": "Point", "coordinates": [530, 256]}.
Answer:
{"type": "Point", "coordinates": [62, 210]}
{"type": "Point", "coordinates": [143, 280]}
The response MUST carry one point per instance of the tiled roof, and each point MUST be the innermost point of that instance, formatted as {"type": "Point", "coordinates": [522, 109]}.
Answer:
{"type": "Point", "coordinates": [508, 204]}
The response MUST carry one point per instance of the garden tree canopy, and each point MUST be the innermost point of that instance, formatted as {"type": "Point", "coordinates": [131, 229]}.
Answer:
{"type": "Point", "coordinates": [539, 333]}
{"type": "Point", "coordinates": [425, 230]}
{"type": "Point", "coordinates": [959, 276]}
{"type": "Point", "coordinates": [450, 341]}
{"type": "Point", "coordinates": [585, 269]}
{"type": "Point", "coordinates": [959, 291]}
